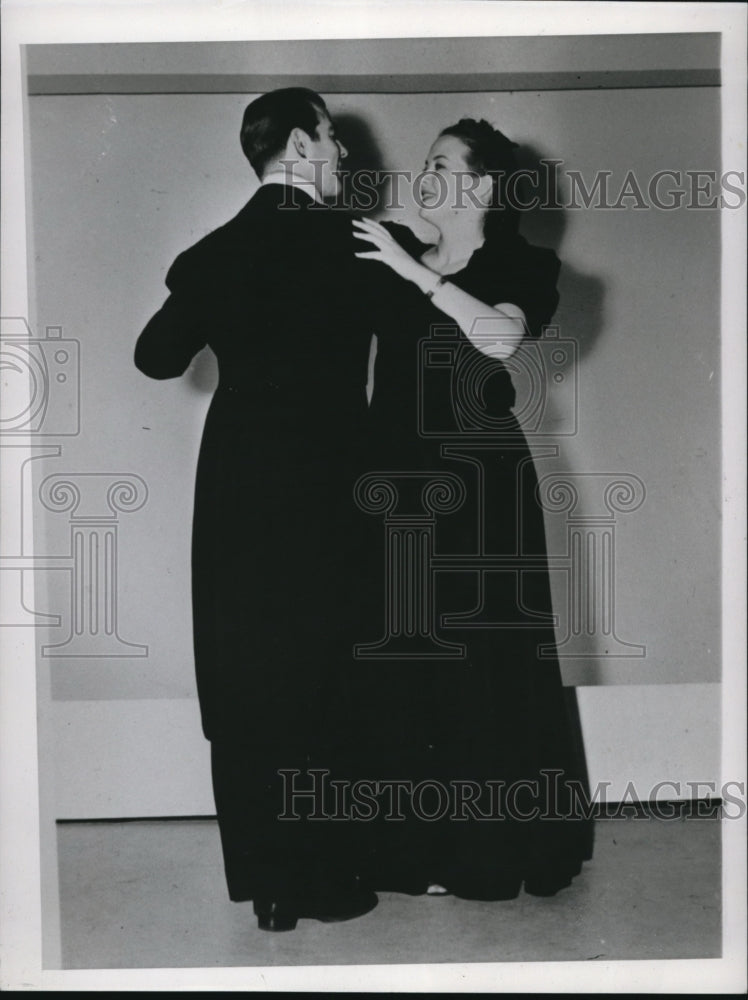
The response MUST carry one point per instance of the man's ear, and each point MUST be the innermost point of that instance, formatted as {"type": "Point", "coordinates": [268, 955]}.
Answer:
{"type": "Point", "coordinates": [300, 142]}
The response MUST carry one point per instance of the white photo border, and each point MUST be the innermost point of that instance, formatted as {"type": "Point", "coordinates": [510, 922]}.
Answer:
{"type": "Point", "coordinates": [116, 21]}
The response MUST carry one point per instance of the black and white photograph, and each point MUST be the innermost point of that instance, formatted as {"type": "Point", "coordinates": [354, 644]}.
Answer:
{"type": "Point", "coordinates": [373, 496]}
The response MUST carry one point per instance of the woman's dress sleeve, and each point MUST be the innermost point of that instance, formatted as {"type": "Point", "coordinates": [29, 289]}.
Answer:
{"type": "Point", "coordinates": [520, 273]}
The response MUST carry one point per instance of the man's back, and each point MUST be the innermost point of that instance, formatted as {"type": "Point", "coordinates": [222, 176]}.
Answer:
{"type": "Point", "coordinates": [274, 532]}
{"type": "Point", "coordinates": [275, 293]}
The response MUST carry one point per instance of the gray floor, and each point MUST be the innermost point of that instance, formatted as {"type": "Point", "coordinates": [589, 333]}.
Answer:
{"type": "Point", "coordinates": [151, 895]}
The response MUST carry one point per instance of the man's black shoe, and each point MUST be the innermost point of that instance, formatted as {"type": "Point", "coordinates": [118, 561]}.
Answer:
{"type": "Point", "coordinates": [283, 915]}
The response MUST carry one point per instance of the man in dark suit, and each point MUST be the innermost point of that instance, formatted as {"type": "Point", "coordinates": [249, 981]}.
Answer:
{"type": "Point", "coordinates": [276, 293]}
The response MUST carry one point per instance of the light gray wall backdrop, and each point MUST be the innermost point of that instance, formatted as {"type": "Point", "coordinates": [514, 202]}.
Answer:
{"type": "Point", "coordinates": [121, 182]}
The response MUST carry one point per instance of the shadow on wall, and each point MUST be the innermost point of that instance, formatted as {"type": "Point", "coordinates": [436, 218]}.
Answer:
{"type": "Point", "coordinates": [580, 314]}
{"type": "Point", "coordinates": [580, 318]}
{"type": "Point", "coordinates": [364, 162]}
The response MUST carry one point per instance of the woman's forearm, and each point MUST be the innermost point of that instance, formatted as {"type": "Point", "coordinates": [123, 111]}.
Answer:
{"type": "Point", "coordinates": [495, 330]}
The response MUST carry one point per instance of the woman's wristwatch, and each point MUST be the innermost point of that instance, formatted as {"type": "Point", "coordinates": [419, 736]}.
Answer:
{"type": "Point", "coordinates": [431, 292]}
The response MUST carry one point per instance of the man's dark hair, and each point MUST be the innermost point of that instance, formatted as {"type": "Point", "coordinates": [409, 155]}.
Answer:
{"type": "Point", "coordinates": [269, 120]}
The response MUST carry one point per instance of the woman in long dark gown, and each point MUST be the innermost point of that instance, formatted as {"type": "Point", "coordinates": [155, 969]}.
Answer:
{"type": "Point", "coordinates": [494, 716]}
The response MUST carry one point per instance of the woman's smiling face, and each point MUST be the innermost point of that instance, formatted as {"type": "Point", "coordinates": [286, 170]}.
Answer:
{"type": "Point", "coordinates": [447, 182]}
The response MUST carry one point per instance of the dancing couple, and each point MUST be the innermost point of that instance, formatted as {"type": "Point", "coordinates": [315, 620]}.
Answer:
{"type": "Point", "coordinates": [287, 570]}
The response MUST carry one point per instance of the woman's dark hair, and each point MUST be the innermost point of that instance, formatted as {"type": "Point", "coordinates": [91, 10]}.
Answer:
{"type": "Point", "coordinates": [490, 152]}
{"type": "Point", "coordinates": [269, 120]}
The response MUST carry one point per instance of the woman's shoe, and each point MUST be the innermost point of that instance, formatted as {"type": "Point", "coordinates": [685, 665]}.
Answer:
{"type": "Point", "coordinates": [435, 889]}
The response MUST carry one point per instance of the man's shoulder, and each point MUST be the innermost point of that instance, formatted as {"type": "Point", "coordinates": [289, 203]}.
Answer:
{"type": "Point", "coordinates": [277, 220]}
{"type": "Point", "coordinates": [215, 247]}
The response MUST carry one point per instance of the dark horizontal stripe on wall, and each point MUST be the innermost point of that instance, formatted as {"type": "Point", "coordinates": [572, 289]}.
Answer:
{"type": "Point", "coordinates": [411, 83]}
{"type": "Point", "coordinates": [667, 809]}
{"type": "Point", "coordinates": [139, 819]}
